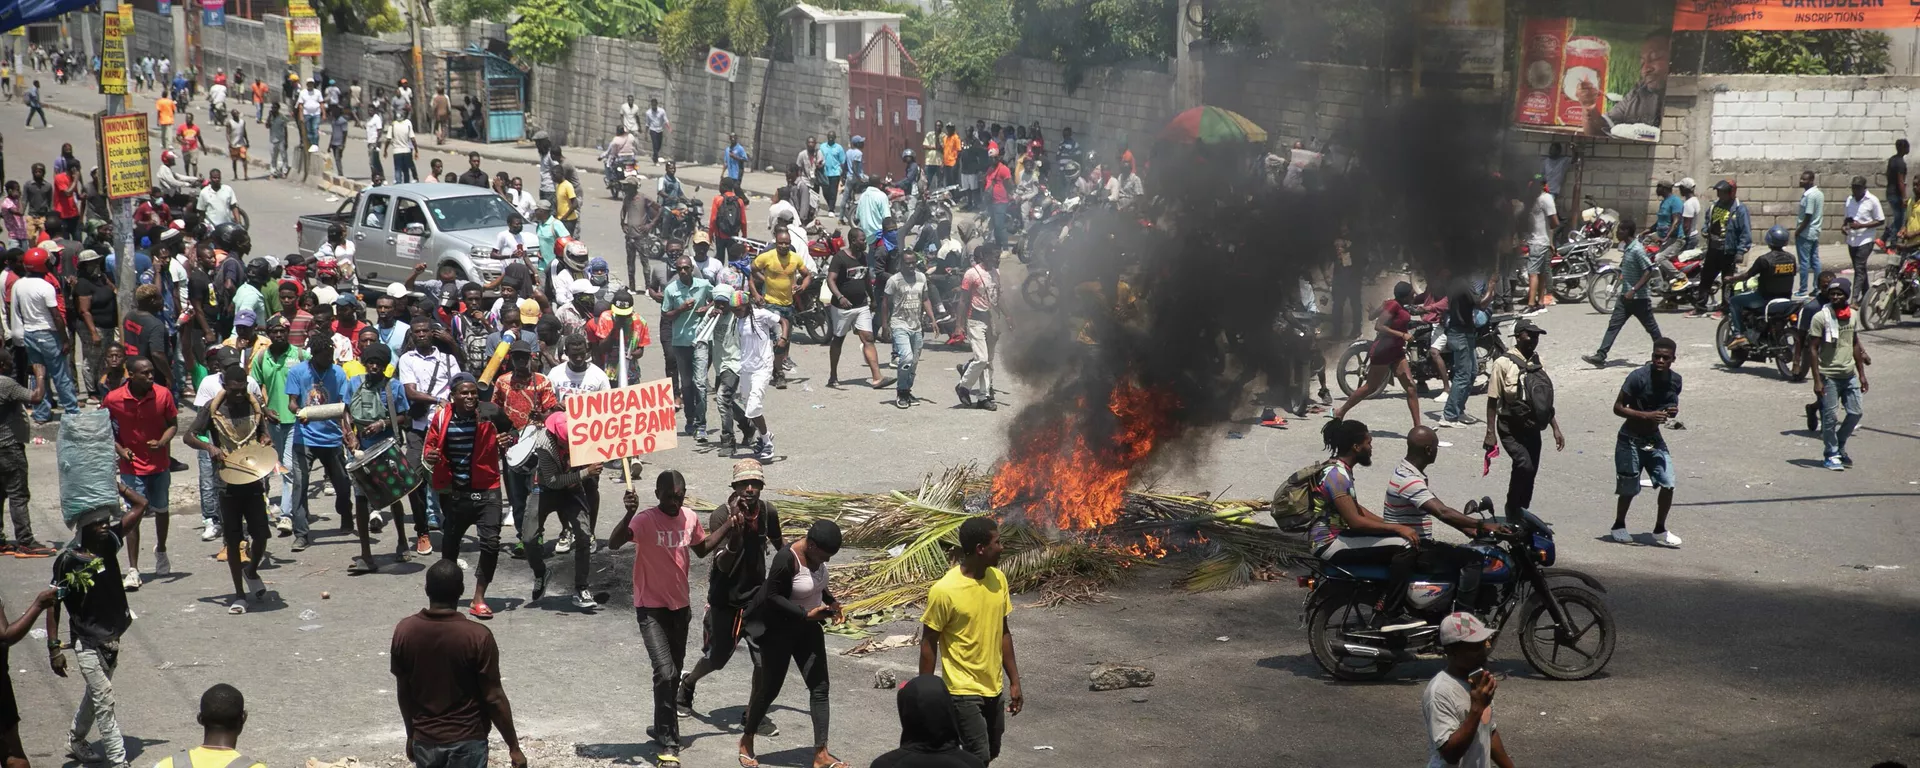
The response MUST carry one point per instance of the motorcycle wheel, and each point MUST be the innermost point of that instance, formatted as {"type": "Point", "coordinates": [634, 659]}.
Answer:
{"type": "Point", "coordinates": [815, 324]}
{"type": "Point", "coordinates": [1603, 291]}
{"type": "Point", "coordinates": [1571, 289]}
{"type": "Point", "coordinates": [1329, 624]}
{"type": "Point", "coordinates": [1589, 645]}
{"type": "Point", "coordinates": [1353, 367]}
{"type": "Point", "coordinates": [1040, 291]}
{"type": "Point", "coordinates": [1733, 358]}
{"type": "Point", "coordinates": [1786, 350]}
{"type": "Point", "coordinates": [1880, 311]}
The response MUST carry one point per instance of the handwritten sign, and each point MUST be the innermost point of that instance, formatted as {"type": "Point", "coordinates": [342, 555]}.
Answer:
{"type": "Point", "coordinates": [124, 154]}
{"type": "Point", "coordinates": [617, 423]}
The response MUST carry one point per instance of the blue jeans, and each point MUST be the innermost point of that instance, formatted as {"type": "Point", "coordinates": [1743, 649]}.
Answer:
{"type": "Point", "coordinates": [1634, 455]}
{"type": "Point", "coordinates": [43, 348]}
{"type": "Point", "coordinates": [1842, 392]}
{"type": "Point", "coordinates": [1743, 301]}
{"type": "Point", "coordinates": [1462, 365]}
{"type": "Point", "coordinates": [906, 347]}
{"type": "Point", "coordinates": [154, 487]}
{"type": "Point", "coordinates": [999, 213]}
{"type": "Point", "coordinates": [1808, 252]}
{"type": "Point", "coordinates": [690, 383]}
{"type": "Point", "coordinates": [313, 128]}
{"type": "Point", "coordinates": [281, 435]}
{"type": "Point", "coordinates": [209, 491]}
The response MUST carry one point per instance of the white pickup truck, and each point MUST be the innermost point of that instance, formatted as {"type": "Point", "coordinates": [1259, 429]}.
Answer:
{"type": "Point", "coordinates": [395, 227]}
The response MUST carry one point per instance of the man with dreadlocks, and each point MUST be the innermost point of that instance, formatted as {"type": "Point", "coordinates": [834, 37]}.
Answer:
{"type": "Point", "coordinates": [1345, 533]}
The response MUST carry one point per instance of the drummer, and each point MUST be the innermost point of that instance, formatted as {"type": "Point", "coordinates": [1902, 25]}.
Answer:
{"type": "Point", "coordinates": [373, 400]}
{"type": "Point", "coordinates": [527, 397]}
{"type": "Point", "coordinates": [317, 382]}
{"type": "Point", "coordinates": [236, 417]}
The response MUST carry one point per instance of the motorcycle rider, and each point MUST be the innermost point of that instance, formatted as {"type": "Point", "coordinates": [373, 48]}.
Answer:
{"type": "Point", "coordinates": [1411, 502]}
{"type": "Point", "coordinates": [1729, 231]}
{"type": "Point", "coordinates": [1345, 533]}
{"type": "Point", "coordinates": [1669, 224]}
{"type": "Point", "coordinates": [1772, 274]}
{"type": "Point", "coordinates": [621, 153]}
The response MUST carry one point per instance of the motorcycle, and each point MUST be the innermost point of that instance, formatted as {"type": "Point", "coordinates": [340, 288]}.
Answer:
{"type": "Point", "coordinates": [1565, 629]}
{"type": "Point", "coordinates": [1771, 335]}
{"type": "Point", "coordinates": [1895, 292]}
{"type": "Point", "coordinates": [622, 175]}
{"type": "Point", "coordinates": [682, 217]}
{"type": "Point", "coordinates": [1302, 350]}
{"type": "Point", "coordinates": [1604, 285]}
{"type": "Point", "coordinates": [1352, 368]}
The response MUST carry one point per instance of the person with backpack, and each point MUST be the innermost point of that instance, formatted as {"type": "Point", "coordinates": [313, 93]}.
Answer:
{"type": "Point", "coordinates": [1519, 408]}
{"type": "Point", "coordinates": [728, 221]}
{"type": "Point", "coordinates": [1344, 533]}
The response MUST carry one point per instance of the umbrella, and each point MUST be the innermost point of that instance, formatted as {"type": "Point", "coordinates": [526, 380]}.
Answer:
{"type": "Point", "coordinates": [1212, 125]}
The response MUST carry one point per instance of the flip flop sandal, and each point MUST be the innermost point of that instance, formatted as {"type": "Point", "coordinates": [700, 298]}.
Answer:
{"type": "Point", "coordinates": [749, 762]}
{"type": "Point", "coordinates": [837, 763]}
{"type": "Point", "coordinates": [480, 611]}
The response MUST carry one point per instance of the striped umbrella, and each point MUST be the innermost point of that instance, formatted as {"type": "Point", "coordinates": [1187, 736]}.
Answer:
{"type": "Point", "coordinates": [1212, 125]}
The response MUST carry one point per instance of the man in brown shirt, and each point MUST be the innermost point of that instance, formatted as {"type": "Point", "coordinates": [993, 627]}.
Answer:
{"type": "Point", "coordinates": [447, 670]}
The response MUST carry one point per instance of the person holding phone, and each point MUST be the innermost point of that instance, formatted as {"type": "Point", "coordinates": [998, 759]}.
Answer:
{"type": "Point", "coordinates": [1648, 398]}
{"type": "Point", "coordinates": [1458, 704]}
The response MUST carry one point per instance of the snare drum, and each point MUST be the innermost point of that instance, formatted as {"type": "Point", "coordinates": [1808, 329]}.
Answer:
{"type": "Point", "coordinates": [519, 456]}
{"type": "Point", "coordinates": [381, 474]}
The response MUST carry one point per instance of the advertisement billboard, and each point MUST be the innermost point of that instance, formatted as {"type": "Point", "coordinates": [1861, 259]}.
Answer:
{"type": "Point", "coordinates": [1592, 78]}
{"type": "Point", "coordinates": [1760, 15]}
{"type": "Point", "coordinates": [123, 154]}
{"type": "Point", "coordinates": [113, 51]}
{"type": "Point", "coordinates": [1461, 46]}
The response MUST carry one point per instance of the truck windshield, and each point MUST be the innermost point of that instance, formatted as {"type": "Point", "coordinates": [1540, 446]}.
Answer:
{"type": "Point", "coordinates": [457, 214]}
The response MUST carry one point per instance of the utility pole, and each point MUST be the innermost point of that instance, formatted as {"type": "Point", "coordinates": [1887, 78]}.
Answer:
{"type": "Point", "coordinates": [122, 210]}
{"type": "Point", "coordinates": [419, 67]}
{"type": "Point", "coordinates": [1189, 72]}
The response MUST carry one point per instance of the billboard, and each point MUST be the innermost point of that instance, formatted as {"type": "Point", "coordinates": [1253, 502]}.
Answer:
{"type": "Point", "coordinates": [113, 51]}
{"type": "Point", "coordinates": [1592, 78]}
{"type": "Point", "coordinates": [1461, 47]}
{"type": "Point", "coordinates": [1759, 15]}
{"type": "Point", "coordinates": [123, 154]}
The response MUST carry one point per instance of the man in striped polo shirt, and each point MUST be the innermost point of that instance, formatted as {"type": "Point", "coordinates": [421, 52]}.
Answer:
{"type": "Point", "coordinates": [1411, 502]}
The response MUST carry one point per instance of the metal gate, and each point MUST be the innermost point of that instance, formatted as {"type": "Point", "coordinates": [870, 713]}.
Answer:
{"type": "Point", "coordinates": [886, 105]}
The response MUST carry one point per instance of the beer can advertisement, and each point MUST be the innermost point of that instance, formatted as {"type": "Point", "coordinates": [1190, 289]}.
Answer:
{"type": "Point", "coordinates": [123, 153]}
{"type": "Point", "coordinates": [1592, 78]}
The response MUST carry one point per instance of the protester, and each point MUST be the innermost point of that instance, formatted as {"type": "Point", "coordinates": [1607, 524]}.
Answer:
{"type": "Point", "coordinates": [427, 375]}
{"type": "Point", "coordinates": [1633, 299]}
{"type": "Point", "coordinates": [1648, 398]}
{"type": "Point", "coordinates": [1842, 378]}
{"type": "Point", "coordinates": [564, 490]}
{"type": "Point", "coordinates": [982, 313]}
{"type": "Point", "coordinates": [234, 415]}
{"type": "Point", "coordinates": [656, 122]}
{"type": "Point", "coordinates": [318, 382]}
{"type": "Point", "coordinates": [738, 570]}
{"type": "Point", "coordinates": [968, 631]}
{"type": "Point", "coordinates": [446, 671]}
{"type": "Point", "coordinates": [725, 356]}
{"type": "Point", "coordinates": [664, 536]}
{"type": "Point", "coordinates": [1388, 355]}
{"type": "Point", "coordinates": [223, 714]}
{"type": "Point", "coordinates": [1806, 234]}
{"type": "Point", "coordinates": [36, 317]}
{"type": "Point", "coordinates": [1897, 200]}
{"type": "Point", "coordinates": [96, 605]}
{"type": "Point", "coordinates": [929, 734]}
{"type": "Point", "coordinates": [1543, 220]}
{"type": "Point", "coordinates": [787, 619]}
{"type": "Point", "coordinates": [760, 332]}
{"type": "Point", "coordinates": [270, 367]}
{"type": "Point", "coordinates": [145, 418]}
{"type": "Point", "coordinates": [463, 445]}
{"type": "Point", "coordinates": [15, 400]}
{"type": "Point", "coordinates": [1519, 408]}
{"type": "Point", "coordinates": [780, 277]}
{"type": "Point", "coordinates": [686, 306]}
{"type": "Point", "coordinates": [850, 281]}
{"type": "Point", "coordinates": [1864, 218]}
{"type": "Point", "coordinates": [527, 398]}
{"type": "Point", "coordinates": [906, 304]}
{"type": "Point", "coordinates": [1458, 704]}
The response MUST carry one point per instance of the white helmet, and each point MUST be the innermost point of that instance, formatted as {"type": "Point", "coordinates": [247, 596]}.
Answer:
{"type": "Point", "coordinates": [576, 256]}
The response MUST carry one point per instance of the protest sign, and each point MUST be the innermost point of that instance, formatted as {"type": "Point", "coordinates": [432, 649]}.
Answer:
{"type": "Point", "coordinates": [618, 423]}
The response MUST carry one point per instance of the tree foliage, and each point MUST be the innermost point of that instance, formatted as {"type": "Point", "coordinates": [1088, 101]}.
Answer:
{"type": "Point", "coordinates": [1079, 34]}
{"type": "Point", "coordinates": [551, 28]}
{"type": "Point", "coordinates": [1822, 52]}
{"type": "Point", "coordinates": [545, 30]}
{"type": "Point", "coordinates": [358, 17]}
{"type": "Point", "coordinates": [967, 38]}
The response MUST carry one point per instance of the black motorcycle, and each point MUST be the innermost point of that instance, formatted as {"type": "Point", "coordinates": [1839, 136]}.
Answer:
{"type": "Point", "coordinates": [1352, 368]}
{"type": "Point", "coordinates": [1771, 335]}
{"type": "Point", "coordinates": [1564, 626]}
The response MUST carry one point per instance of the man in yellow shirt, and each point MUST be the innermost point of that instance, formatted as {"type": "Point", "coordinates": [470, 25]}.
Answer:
{"type": "Point", "coordinates": [780, 274]}
{"type": "Point", "coordinates": [566, 199]}
{"type": "Point", "coordinates": [968, 633]}
{"type": "Point", "coordinates": [223, 713]}
{"type": "Point", "coordinates": [163, 109]}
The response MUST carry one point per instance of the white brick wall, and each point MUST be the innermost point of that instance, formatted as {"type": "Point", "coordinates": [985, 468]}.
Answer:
{"type": "Point", "coordinates": [1808, 124]}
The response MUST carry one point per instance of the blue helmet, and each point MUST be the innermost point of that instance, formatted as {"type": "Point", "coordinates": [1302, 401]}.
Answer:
{"type": "Point", "coordinates": [1777, 237]}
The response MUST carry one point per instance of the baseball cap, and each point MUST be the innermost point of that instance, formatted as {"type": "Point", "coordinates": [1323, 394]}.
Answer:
{"type": "Point", "coordinates": [622, 304]}
{"type": "Point", "coordinates": [543, 205]}
{"type": "Point", "coordinates": [1463, 627]}
{"type": "Point", "coordinates": [1723, 186]}
{"type": "Point", "coordinates": [529, 311]}
{"type": "Point", "coordinates": [723, 294]}
{"type": "Point", "coordinates": [396, 290]}
{"type": "Point", "coordinates": [1687, 183]}
{"type": "Point", "coordinates": [1842, 285]}
{"type": "Point", "coordinates": [1524, 325]}
{"type": "Point", "coordinates": [748, 469]}
{"type": "Point", "coordinates": [522, 345]}
{"type": "Point", "coordinates": [52, 246]}
{"type": "Point", "coordinates": [597, 264]}
{"type": "Point", "coordinates": [700, 236]}
{"type": "Point", "coordinates": [245, 317]}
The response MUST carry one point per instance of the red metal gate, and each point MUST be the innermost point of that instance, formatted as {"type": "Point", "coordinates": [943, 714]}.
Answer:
{"type": "Point", "coordinates": [886, 105]}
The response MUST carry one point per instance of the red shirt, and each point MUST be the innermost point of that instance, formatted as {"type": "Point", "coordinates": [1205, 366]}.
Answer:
{"type": "Point", "coordinates": [64, 204]}
{"type": "Point", "coordinates": [522, 400]}
{"type": "Point", "coordinates": [136, 420]}
{"type": "Point", "coordinates": [297, 327]}
{"type": "Point", "coordinates": [997, 181]}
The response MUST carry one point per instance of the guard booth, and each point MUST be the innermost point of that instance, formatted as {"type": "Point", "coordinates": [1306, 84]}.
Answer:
{"type": "Point", "coordinates": [500, 85]}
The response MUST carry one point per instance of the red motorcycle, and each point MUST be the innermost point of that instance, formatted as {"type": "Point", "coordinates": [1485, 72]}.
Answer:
{"type": "Point", "coordinates": [1605, 285]}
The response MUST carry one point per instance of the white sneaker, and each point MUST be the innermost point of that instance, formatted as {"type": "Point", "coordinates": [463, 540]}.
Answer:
{"type": "Point", "coordinates": [284, 526]}
{"type": "Point", "coordinates": [1666, 539]}
{"type": "Point", "coordinates": [565, 544]}
{"type": "Point", "coordinates": [210, 533]}
{"type": "Point", "coordinates": [1620, 535]}
{"type": "Point", "coordinates": [162, 565]}
{"type": "Point", "coordinates": [131, 579]}
{"type": "Point", "coordinates": [1446, 424]}
{"type": "Point", "coordinates": [584, 600]}
{"type": "Point", "coordinates": [463, 564]}
{"type": "Point", "coordinates": [1441, 398]}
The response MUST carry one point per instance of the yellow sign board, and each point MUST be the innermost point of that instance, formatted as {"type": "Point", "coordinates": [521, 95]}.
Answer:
{"type": "Point", "coordinates": [113, 52]}
{"type": "Point", "coordinates": [306, 36]}
{"type": "Point", "coordinates": [300, 9]}
{"type": "Point", "coordinates": [124, 154]}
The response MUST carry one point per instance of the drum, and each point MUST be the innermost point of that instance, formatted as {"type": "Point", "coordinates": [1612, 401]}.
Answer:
{"type": "Point", "coordinates": [521, 453]}
{"type": "Point", "coordinates": [381, 474]}
{"type": "Point", "coordinates": [326, 412]}
{"type": "Point", "coordinates": [246, 464]}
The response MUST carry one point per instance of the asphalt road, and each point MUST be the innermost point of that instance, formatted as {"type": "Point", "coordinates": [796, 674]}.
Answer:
{"type": "Point", "coordinates": [1775, 637]}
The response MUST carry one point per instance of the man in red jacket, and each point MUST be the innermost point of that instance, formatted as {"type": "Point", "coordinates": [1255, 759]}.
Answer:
{"type": "Point", "coordinates": [464, 443]}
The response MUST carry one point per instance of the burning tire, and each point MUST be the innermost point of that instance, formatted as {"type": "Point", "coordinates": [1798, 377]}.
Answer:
{"type": "Point", "coordinates": [1040, 292]}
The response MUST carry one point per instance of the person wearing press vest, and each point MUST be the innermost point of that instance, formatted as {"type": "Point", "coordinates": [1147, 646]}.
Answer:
{"type": "Point", "coordinates": [1519, 409]}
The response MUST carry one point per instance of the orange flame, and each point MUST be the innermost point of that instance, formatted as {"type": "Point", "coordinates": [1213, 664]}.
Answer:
{"type": "Point", "coordinates": [1078, 486]}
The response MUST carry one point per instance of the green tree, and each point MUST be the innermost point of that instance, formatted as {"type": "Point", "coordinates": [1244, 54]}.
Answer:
{"type": "Point", "coordinates": [967, 38]}
{"type": "Point", "coordinates": [358, 17]}
{"type": "Point", "coordinates": [1822, 52]}
{"type": "Point", "coordinates": [545, 30]}
{"type": "Point", "coordinates": [1079, 34]}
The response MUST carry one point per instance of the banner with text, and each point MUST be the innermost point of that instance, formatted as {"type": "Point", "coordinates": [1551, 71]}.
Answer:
{"type": "Point", "coordinates": [1461, 47]}
{"type": "Point", "coordinates": [1762, 15]}
{"type": "Point", "coordinates": [304, 28]}
{"type": "Point", "coordinates": [1592, 78]}
{"type": "Point", "coordinates": [124, 154]}
{"type": "Point", "coordinates": [113, 51]}
{"type": "Point", "coordinates": [618, 423]}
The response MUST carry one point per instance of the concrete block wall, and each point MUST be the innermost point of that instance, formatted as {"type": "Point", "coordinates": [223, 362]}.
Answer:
{"type": "Point", "coordinates": [806, 98]}
{"type": "Point", "coordinates": [1810, 122]}
{"type": "Point", "coordinates": [1300, 102]}
{"type": "Point", "coordinates": [152, 36]}
{"type": "Point", "coordinates": [1113, 107]}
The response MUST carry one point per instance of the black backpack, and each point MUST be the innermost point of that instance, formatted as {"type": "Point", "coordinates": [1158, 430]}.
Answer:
{"type": "Point", "coordinates": [729, 218]}
{"type": "Point", "coordinates": [1533, 408]}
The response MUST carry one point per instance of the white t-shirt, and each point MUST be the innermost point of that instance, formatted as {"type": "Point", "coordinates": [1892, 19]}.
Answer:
{"type": "Point", "coordinates": [1445, 703]}
{"type": "Point", "coordinates": [1542, 208]}
{"type": "Point", "coordinates": [757, 332]}
{"type": "Point", "coordinates": [375, 124]}
{"type": "Point", "coordinates": [1863, 210]}
{"type": "Point", "coordinates": [214, 382]}
{"type": "Point", "coordinates": [657, 119]}
{"type": "Point", "coordinates": [507, 241]}
{"type": "Point", "coordinates": [709, 269]}
{"type": "Point", "coordinates": [904, 297]}
{"type": "Point", "coordinates": [310, 102]}
{"type": "Point", "coordinates": [566, 381]}
{"type": "Point", "coordinates": [630, 117]}
{"type": "Point", "coordinates": [34, 305]}
{"type": "Point", "coordinates": [217, 204]}
{"type": "Point", "coordinates": [431, 374]}
{"type": "Point", "coordinates": [402, 134]}
{"type": "Point", "coordinates": [1690, 211]}
{"type": "Point", "coordinates": [523, 201]}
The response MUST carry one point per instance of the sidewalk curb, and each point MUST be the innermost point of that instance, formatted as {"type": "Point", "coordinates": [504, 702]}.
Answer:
{"type": "Point", "coordinates": [326, 181]}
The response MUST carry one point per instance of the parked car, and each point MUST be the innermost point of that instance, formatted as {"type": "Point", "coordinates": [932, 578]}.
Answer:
{"type": "Point", "coordinates": [395, 227]}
